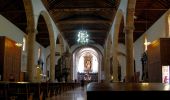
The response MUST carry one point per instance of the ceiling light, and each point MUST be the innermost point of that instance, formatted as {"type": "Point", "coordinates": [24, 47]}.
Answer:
{"type": "Point", "coordinates": [82, 37]}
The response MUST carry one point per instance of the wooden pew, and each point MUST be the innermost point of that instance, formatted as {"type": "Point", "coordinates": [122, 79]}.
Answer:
{"type": "Point", "coordinates": [3, 90]}
{"type": "Point", "coordinates": [35, 89]}
{"type": "Point", "coordinates": [127, 90]}
{"type": "Point", "coordinates": [32, 91]}
{"type": "Point", "coordinates": [18, 91]}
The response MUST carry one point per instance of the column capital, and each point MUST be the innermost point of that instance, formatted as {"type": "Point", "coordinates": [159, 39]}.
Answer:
{"type": "Point", "coordinates": [31, 30]}
{"type": "Point", "coordinates": [132, 27]}
{"type": "Point", "coordinates": [131, 10]}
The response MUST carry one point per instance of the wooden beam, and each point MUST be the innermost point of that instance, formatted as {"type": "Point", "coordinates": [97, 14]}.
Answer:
{"type": "Point", "coordinates": [139, 31]}
{"type": "Point", "coordinates": [81, 9]}
{"type": "Point", "coordinates": [91, 38]}
{"type": "Point", "coordinates": [12, 11]}
{"type": "Point", "coordinates": [152, 9]}
{"type": "Point", "coordinates": [44, 38]}
{"type": "Point", "coordinates": [83, 21]}
{"type": "Point", "coordinates": [88, 30]}
{"type": "Point", "coordinates": [138, 21]}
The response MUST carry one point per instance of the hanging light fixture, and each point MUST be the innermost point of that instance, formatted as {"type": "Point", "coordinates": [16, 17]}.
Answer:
{"type": "Point", "coordinates": [82, 37]}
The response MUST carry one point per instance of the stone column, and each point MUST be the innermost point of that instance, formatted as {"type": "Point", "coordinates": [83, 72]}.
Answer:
{"type": "Point", "coordinates": [106, 71]}
{"type": "Point", "coordinates": [52, 62]}
{"type": "Point", "coordinates": [129, 44]}
{"type": "Point", "coordinates": [115, 60]}
{"type": "Point", "coordinates": [129, 54]}
{"type": "Point", "coordinates": [70, 67]}
{"type": "Point", "coordinates": [107, 67]}
{"type": "Point", "coordinates": [115, 68]}
{"type": "Point", "coordinates": [30, 58]}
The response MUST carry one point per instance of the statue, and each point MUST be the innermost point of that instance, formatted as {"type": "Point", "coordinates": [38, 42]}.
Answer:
{"type": "Point", "coordinates": [144, 66]}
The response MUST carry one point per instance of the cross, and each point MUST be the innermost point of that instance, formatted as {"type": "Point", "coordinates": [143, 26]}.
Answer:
{"type": "Point", "coordinates": [146, 43]}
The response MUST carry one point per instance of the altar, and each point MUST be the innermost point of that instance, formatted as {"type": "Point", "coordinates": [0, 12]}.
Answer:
{"type": "Point", "coordinates": [89, 77]}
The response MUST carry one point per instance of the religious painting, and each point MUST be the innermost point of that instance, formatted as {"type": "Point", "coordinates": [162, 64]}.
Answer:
{"type": "Point", "coordinates": [88, 63]}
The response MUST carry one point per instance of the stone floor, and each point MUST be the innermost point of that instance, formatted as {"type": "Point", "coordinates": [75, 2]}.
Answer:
{"type": "Point", "coordinates": [76, 94]}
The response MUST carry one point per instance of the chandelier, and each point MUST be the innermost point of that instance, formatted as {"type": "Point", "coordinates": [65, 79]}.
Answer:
{"type": "Point", "coordinates": [82, 37]}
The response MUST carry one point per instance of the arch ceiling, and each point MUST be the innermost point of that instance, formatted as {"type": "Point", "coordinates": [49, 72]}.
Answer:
{"type": "Point", "coordinates": [42, 37]}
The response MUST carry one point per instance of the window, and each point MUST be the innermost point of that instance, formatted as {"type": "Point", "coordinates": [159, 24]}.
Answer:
{"type": "Point", "coordinates": [39, 53]}
{"type": "Point", "coordinates": [24, 44]}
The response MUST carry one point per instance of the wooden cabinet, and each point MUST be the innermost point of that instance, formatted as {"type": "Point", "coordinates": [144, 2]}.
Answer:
{"type": "Point", "coordinates": [158, 55]}
{"type": "Point", "coordinates": [10, 60]}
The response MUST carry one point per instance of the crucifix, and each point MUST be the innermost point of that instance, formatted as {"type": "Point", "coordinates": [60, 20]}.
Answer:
{"type": "Point", "coordinates": [146, 43]}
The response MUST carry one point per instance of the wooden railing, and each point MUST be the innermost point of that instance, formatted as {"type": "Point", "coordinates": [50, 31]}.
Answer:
{"type": "Point", "coordinates": [33, 91]}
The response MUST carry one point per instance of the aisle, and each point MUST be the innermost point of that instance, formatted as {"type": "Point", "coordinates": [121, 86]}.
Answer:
{"type": "Point", "coordinates": [76, 94]}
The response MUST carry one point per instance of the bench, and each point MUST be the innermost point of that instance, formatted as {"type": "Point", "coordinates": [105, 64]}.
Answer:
{"type": "Point", "coordinates": [127, 90]}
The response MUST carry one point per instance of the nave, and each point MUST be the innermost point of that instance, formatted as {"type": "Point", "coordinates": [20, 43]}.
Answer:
{"type": "Point", "coordinates": [78, 93]}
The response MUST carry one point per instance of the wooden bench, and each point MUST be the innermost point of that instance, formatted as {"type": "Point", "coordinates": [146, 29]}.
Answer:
{"type": "Point", "coordinates": [18, 91]}
{"type": "Point", "coordinates": [127, 90]}
{"type": "Point", "coordinates": [32, 91]}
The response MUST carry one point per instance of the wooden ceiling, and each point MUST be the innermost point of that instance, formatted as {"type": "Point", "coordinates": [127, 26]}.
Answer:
{"type": "Point", "coordinates": [147, 12]}
{"type": "Point", "coordinates": [95, 16]}
{"type": "Point", "coordinates": [14, 11]}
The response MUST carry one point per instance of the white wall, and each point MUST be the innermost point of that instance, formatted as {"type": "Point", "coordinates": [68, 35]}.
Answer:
{"type": "Point", "coordinates": [157, 30]}
{"type": "Point", "coordinates": [138, 51]}
{"type": "Point", "coordinates": [10, 30]}
{"type": "Point", "coordinates": [122, 59]}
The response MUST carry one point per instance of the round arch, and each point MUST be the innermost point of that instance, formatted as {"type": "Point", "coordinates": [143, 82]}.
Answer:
{"type": "Point", "coordinates": [115, 40]}
{"type": "Point", "coordinates": [52, 44]}
{"type": "Point", "coordinates": [78, 55]}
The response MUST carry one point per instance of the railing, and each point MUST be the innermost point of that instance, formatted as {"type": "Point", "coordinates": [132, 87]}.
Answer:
{"type": "Point", "coordinates": [33, 91]}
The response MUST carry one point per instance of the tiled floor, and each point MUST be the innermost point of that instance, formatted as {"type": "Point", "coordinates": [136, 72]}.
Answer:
{"type": "Point", "coordinates": [76, 94]}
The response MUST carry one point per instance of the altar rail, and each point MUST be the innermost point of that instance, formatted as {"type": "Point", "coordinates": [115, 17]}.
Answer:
{"type": "Point", "coordinates": [121, 91]}
{"type": "Point", "coordinates": [32, 91]}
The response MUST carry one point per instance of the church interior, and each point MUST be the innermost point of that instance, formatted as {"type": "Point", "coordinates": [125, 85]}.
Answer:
{"type": "Point", "coordinates": [84, 49]}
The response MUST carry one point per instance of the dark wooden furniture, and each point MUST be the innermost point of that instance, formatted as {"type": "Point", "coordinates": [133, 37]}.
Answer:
{"type": "Point", "coordinates": [120, 91]}
{"type": "Point", "coordinates": [33, 91]}
{"type": "Point", "coordinates": [10, 60]}
{"type": "Point", "coordinates": [158, 54]}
